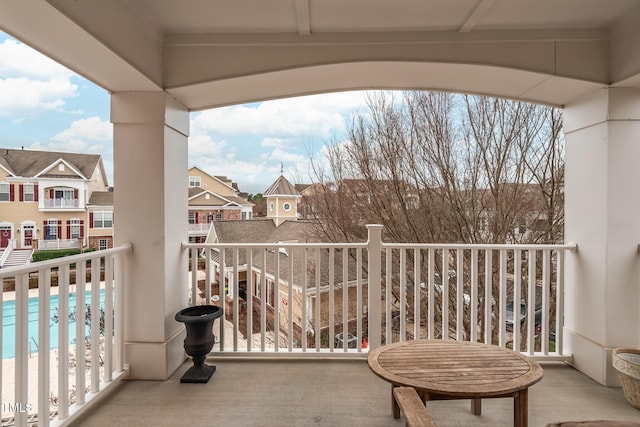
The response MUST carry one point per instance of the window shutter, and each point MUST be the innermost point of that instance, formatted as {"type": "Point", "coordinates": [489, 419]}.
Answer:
{"type": "Point", "coordinates": [21, 193]}
{"type": "Point", "coordinates": [68, 229]}
{"type": "Point", "coordinates": [82, 228]}
{"type": "Point", "coordinates": [196, 215]}
{"type": "Point", "coordinates": [51, 194]}
{"type": "Point", "coordinates": [35, 193]}
{"type": "Point", "coordinates": [45, 228]}
{"type": "Point", "coordinates": [90, 219]}
{"type": "Point", "coordinates": [59, 229]}
{"type": "Point", "coordinates": [11, 193]}
{"type": "Point", "coordinates": [75, 194]}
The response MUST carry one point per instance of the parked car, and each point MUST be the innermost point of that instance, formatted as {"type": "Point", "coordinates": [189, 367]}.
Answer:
{"type": "Point", "coordinates": [523, 315]}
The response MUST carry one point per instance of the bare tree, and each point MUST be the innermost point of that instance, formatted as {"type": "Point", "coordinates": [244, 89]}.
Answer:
{"type": "Point", "coordinates": [445, 168]}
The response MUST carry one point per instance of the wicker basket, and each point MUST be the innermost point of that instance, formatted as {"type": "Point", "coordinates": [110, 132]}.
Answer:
{"type": "Point", "coordinates": [627, 362]}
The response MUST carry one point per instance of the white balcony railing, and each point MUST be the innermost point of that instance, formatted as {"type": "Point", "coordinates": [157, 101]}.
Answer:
{"type": "Point", "coordinates": [89, 293]}
{"type": "Point", "coordinates": [325, 289]}
{"type": "Point", "coordinates": [61, 203]}
{"type": "Point", "coordinates": [199, 229]}
{"type": "Point", "coordinates": [58, 244]}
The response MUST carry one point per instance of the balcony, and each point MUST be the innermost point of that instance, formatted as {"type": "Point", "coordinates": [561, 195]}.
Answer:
{"type": "Point", "coordinates": [274, 393]}
{"type": "Point", "coordinates": [60, 204]}
{"type": "Point", "coordinates": [199, 229]}
{"type": "Point", "coordinates": [249, 362]}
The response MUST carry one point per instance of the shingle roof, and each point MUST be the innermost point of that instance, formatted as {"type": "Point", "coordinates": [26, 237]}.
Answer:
{"type": "Point", "coordinates": [28, 163]}
{"type": "Point", "coordinates": [281, 187]}
{"type": "Point", "coordinates": [265, 231]}
{"type": "Point", "coordinates": [101, 198]}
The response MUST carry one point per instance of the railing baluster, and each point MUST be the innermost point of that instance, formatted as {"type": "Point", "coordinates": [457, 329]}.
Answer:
{"type": "Point", "coordinates": [416, 294]}
{"type": "Point", "coordinates": [474, 296]}
{"type": "Point", "coordinates": [194, 276]}
{"type": "Point", "coordinates": [403, 295]}
{"type": "Point", "coordinates": [359, 296]}
{"type": "Point", "coordinates": [276, 300]}
{"type": "Point", "coordinates": [531, 302]}
{"type": "Point", "coordinates": [304, 300]}
{"type": "Point", "coordinates": [460, 296]}
{"type": "Point", "coordinates": [445, 294]}
{"type": "Point", "coordinates": [63, 342]}
{"type": "Point", "coordinates": [22, 355]}
{"type": "Point", "coordinates": [432, 296]}
{"type": "Point", "coordinates": [249, 294]}
{"type": "Point", "coordinates": [235, 296]}
{"type": "Point", "coordinates": [208, 277]}
{"type": "Point", "coordinates": [503, 299]}
{"type": "Point", "coordinates": [95, 325]}
{"type": "Point", "coordinates": [488, 298]}
{"type": "Point", "coordinates": [331, 318]}
{"type": "Point", "coordinates": [517, 296]}
{"type": "Point", "coordinates": [544, 321]}
{"type": "Point", "coordinates": [345, 298]}
{"type": "Point", "coordinates": [44, 355]}
{"type": "Point", "coordinates": [318, 296]}
{"type": "Point", "coordinates": [263, 301]}
{"type": "Point", "coordinates": [108, 319]}
{"type": "Point", "coordinates": [388, 295]}
{"type": "Point", "coordinates": [559, 301]}
{"type": "Point", "coordinates": [290, 301]}
{"type": "Point", "coordinates": [81, 279]}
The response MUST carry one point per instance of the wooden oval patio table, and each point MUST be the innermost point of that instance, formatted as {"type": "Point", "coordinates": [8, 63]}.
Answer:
{"type": "Point", "coordinates": [440, 369]}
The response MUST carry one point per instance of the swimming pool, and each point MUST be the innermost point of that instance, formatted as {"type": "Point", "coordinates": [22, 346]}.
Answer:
{"type": "Point", "coordinates": [9, 324]}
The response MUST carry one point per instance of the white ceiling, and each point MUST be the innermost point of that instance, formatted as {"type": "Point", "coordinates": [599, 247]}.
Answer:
{"type": "Point", "coordinates": [212, 52]}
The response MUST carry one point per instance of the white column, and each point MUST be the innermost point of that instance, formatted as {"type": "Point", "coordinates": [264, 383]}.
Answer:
{"type": "Point", "coordinates": [150, 181]}
{"type": "Point", "coordinates": [602, 215]}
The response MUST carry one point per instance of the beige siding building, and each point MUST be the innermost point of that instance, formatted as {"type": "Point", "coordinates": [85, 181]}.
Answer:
{"type": "Point", "coordinates": [44, 198]}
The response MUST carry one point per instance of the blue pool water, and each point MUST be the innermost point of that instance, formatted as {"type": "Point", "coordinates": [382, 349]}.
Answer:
{"type": "Point", "coordinates": [9, 323]}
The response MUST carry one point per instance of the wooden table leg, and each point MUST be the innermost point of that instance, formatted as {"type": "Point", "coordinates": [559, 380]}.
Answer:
{"type": "Point", "coordinates": [476, 406]}
{"type": "Point", "coordinates": [394, 405]}
{"type": "Point", "coordinates": [521, 409]}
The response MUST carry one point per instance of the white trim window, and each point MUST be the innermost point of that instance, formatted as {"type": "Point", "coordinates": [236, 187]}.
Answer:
{"type": "Point", "coordinates": [28, 192]}
{"type": "Point", "coordinates": [5, 192]}
{"type": "Point", "coordinates": [103, 244]}
{"type": "Point", "coordinates": [74, 228]}
{"type": "Point", "coordinates": [102, 219]}
{"type": "Point", "coordinates": [194, 181]}
{"type": "Point", "coordinates": [51, 230]}
{"type": "Point", "coordinates": [286, 207]}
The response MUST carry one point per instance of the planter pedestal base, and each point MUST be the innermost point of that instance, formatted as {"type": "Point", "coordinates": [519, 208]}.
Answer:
{"type": "Point", "coordinates": [198, 374]}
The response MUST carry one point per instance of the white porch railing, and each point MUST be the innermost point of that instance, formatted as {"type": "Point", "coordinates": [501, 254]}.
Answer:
{"type": "Point", "coordinates": [44, 391]}
{"type": "Point", "coordinates": [199, 229]}
{"type": "Point", "coordinates": [325, 289]}
{"type": "Point", "coordinates": [6, 251]}
{"type": "Point", "coordinates": [57, 244]}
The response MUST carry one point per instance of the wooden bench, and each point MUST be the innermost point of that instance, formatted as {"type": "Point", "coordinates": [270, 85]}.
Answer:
{"type": "Point", "coordinates": [412, 407]}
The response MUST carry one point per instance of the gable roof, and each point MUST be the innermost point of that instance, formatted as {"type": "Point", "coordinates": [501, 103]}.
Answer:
{"type": "Point", "coordinates": [265, 231]}
{"type": "Point", "coordinates": [281, 187]}
{"type": "Point", "coordinates": [31, 163]}
{"type": "Point", "coordinates": [218, 200]}
{"type": "Point", "coordinates": [101, 198]}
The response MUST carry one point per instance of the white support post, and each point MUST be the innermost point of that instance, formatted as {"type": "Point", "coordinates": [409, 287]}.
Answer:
{"type": "Point", "coordinates": [150, 149]}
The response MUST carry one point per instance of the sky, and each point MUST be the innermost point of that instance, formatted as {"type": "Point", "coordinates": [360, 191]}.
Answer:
{"type": "Point", "coordinates": [45, 106]}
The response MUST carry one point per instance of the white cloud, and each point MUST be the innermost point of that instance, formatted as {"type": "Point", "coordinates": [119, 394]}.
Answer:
{"type": "Point", "coordinates": [90, 128]}
{"type": "Point", "coordinates": [18, 59]}
{"type": "Point", "coordinates": [317, 116]}
{"type": "Point", "coordinates": [20, 96]}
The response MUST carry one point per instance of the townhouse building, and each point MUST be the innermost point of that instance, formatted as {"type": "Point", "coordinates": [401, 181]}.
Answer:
{"type": "Point", "coordinates": [213, 198]}
{"type": "Point", "coordinates": [45, 200]}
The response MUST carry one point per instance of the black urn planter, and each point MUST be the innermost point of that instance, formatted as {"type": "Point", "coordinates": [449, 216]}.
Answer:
{"type": "Point", "coordinates": [198, 321]}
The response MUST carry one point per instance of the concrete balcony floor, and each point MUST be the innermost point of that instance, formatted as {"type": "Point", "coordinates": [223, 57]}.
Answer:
{"type": "Point", "coordinates": [335, 393]}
